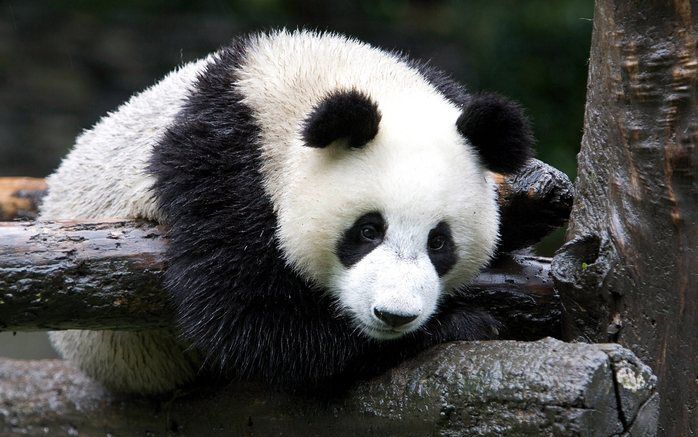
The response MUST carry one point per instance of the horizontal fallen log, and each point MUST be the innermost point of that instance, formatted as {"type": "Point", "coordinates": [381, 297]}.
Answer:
{"type": "Point", "coordinates": [479, 388]}
{"type": "Point", "coordinates": [81, 275]}
{"type": "Point", "coordinates": [534, 201]}
{"type": "Point", "coordinates": [74, 275]}
{"type": "Point", "coordinates": [20, 198]}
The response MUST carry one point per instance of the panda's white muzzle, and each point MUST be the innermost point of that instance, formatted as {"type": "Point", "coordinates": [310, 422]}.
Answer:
{"type": "Point", "coordinates": [389, 293]}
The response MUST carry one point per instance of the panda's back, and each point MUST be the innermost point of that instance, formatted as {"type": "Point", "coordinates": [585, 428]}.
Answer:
{"type": "Point", "coordinates": [281, 76]}
{"type": "Point", "coordinates": [105, 174]}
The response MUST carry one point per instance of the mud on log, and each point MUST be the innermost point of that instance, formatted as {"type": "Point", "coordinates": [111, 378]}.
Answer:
{"type": "Point", "coordinates": [490, 388]}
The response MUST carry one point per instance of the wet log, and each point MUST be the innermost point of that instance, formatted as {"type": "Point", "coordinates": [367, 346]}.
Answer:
{"type": "Point", "coordinates": [534, 202]}
{"type": "Point", "coordinates": [629, 272]}
{"type": "Point", "coordinates": [81, 275]}
{"type": "Point", "coordinates": [479, 388]}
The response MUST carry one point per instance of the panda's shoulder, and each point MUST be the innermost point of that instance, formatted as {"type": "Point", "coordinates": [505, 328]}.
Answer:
{"type": "Point", "coordinates": [104, 175]}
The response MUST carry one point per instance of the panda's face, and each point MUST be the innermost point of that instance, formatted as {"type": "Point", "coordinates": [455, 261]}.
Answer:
{"type": "Point", "coordinates": [390, 227]}
{"type": "Point", "coordinates": [420, 227]}
{"type": "Point", "coordinates": [392, 265]}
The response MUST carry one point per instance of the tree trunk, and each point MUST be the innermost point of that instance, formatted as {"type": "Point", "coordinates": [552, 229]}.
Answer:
{"type": "Point", "coordinates": [629, 270]}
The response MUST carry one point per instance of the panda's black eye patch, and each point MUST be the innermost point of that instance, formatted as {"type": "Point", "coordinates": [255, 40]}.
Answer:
{"type": "Point", "coordinates": [361, 238]}
{"type": "Point", "coordinates": [441, 248]}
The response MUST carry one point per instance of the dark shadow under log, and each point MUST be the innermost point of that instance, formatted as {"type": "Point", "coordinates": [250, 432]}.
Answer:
{"type": "Point", "coordinates": [489, 388]}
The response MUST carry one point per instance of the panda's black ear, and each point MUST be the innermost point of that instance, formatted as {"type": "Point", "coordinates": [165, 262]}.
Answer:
{"type": "Point", "coordinates": [499, 131]}
{"type": "Point", "coordinates": [347, 114]}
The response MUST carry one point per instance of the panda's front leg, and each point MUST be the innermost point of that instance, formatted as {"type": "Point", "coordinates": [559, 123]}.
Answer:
{"type": "Point", "coordinates": [293, 341]}
{"type": "Point", "coordinates": [456, 320]}
{"type": "Point", "coordinates": [306, 345]}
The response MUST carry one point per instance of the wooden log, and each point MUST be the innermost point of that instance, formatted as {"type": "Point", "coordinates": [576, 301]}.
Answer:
{"type": "Point", "coordinates": [479, 388]}
{"type": "Point", "coordinates": [71, 275]}
{"type": "Point", "coordinates": [20, 198]}
{"type": "Point", "coordinates": [534, 202]}
{"type": "Point", "coordinates": [629, 272]}
{"type": "Point", "coordinates": [81, 275]}
{"type": "Point", "coordinates": [518, 291]}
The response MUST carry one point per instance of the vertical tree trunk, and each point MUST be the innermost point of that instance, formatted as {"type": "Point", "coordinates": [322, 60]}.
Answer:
{"type": "Point", "coordinates": [629, 270]}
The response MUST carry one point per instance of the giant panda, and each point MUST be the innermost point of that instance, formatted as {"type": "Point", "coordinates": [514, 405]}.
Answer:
{"type": "Point", "coordinates": [326, 202]}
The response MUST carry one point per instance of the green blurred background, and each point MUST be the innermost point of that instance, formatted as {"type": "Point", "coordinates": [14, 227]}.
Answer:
{"type": "Point", "coordinates": [65, 64]}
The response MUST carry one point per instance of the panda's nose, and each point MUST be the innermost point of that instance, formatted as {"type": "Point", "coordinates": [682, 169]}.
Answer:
{"type": "Point", "coordinates": [393, 319]}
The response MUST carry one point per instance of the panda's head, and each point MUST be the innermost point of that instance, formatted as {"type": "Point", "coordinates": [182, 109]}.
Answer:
{"type": "Point", "coordinates": [392, 205]}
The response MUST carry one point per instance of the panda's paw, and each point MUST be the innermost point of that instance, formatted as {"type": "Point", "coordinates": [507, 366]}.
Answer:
{"type": "Point", "coordinates": [466, 325]}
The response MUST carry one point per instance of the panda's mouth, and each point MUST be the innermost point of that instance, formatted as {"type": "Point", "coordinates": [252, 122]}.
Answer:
{"type": "Point", "coordinates": [383, 333]}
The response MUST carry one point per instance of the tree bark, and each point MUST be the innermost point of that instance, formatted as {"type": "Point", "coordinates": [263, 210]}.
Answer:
{"type": "Point", "coordinates": [485, 389]}
{"type": "Point", "coordinates": [72, 275]}
{"type": "Point", "coordinates": [629, 270]}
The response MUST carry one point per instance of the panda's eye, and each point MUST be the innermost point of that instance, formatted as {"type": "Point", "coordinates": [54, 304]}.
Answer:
{"type": "Point", "coordinates": [442, 248]}
{"type": "Point", "coordinates": [361, 238]}
{"type": "Point", "coordinates": [436, 243]}
{"type": "Point", "coordinates": [369, 232]}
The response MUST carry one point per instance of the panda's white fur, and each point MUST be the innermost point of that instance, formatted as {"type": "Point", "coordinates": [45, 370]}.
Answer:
{"type": "Point", "coordinates": [105, 177]}
{"type": "Point", "coordinates": [427, 171]}
{"type": "Point", "coordinates": [418, 170]}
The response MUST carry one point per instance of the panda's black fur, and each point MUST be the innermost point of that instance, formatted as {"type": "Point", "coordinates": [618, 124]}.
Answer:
{"type": "Point", "coordinates": [236, 299]}
{"type": "Point", "coordinates": [342, 114]}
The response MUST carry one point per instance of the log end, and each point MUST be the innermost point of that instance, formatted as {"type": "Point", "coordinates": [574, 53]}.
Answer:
{"type": "Point", "coordinates": [20, 197]}
{"type": "Point", "coordinates": [534, 202]}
